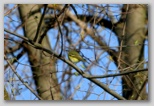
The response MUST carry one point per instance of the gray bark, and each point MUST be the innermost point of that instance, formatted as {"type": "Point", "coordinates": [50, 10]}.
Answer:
{"type": "Point", "coordinates": [45, 80]}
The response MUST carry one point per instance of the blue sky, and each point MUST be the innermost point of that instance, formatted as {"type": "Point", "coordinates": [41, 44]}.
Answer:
{"type": "Point", "coordinates": [79, 83]}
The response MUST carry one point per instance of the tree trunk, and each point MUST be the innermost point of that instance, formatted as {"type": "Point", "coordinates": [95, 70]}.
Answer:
{"type": "Point", "coordinates": [43, 65]}
{"type": "Point", "coordinates": [134, 20]}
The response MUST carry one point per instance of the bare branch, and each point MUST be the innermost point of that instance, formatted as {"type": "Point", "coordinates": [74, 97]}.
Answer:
{"type": "Point", "coordinates": [113, 75]}
{"type": "Point", "coordinates": [24, 83]}
{"type": "Point", "coordinates": [100, 84]}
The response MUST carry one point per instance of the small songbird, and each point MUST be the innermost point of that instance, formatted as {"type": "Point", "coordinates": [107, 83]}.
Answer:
{"type": "Point", "coordinates": [74, 56]}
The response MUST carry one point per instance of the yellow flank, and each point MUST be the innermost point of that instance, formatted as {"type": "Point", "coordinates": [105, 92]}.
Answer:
{"type": "Point", "coordinates": [74, 59]}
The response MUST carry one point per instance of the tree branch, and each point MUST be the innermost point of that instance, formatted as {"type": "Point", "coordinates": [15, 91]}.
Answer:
{"type": "Point", "coordinates": [39, 25]}
{"type": "Point", "coordinates": [24, 83]}
{"type": "Point", "coordinates": [39, 46]}
{"type": "Point", "coordinates": [113, 75]}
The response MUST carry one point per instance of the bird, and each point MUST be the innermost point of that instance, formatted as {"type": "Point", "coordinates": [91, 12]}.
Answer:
{"type": "Point", "coordinates": [74, 56]}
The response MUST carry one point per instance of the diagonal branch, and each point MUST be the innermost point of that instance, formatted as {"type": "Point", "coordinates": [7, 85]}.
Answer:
{"type": "Point", "coordinates": [40, 23]}
{"type": "Point", "coordinates": [39, 46]}
{"type": "Point", "coordinates": [91, 33]}
{"type": "Point", "coordinates": [24, 83]}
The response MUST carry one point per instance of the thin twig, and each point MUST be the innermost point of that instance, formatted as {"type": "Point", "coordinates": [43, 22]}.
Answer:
{"type": "Point", "coordinates": [118, 74]}
{"type": "Point", "coordinates": [39, 25]}
{"type": "Point", "coordinates": [24, 83]}
{"type": "Point", "coordinates": [98, 83]}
